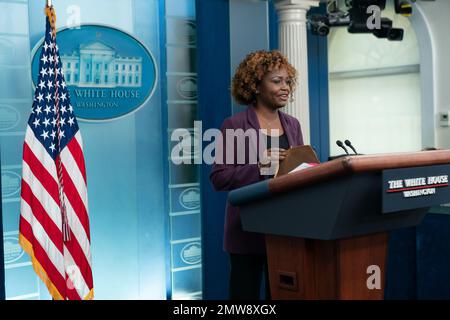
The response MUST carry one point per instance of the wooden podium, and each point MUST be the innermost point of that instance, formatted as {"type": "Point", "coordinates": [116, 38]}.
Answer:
{"type": "Point", "coordinates": [327, 226]}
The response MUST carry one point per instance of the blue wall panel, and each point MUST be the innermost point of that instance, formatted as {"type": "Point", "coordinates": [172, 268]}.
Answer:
{"type": "Point", "coordinates": [433, 257]}
{"type": "Point", "coordinates": [401, 265]}
{"type": "Point", "coordinates": [213, 34]}
{"type": "Point", "coordinates": [273, 26]}
{"type": "Point", "coordinates": [419, 259]}
{"type": "Point", "coordinates": [318, 91]}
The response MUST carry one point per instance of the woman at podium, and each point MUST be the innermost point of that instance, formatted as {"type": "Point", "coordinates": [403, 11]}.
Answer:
{"type": "Point", "coordinates": [254, 142]}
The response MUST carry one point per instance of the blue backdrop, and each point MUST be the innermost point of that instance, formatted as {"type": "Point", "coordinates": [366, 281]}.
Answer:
{"type": "Point", "coordinates": [123, 163]}
{"type": "Point", "coordinates": [145, 214]}
{"type": "Point", "coordinates": [215, 105]}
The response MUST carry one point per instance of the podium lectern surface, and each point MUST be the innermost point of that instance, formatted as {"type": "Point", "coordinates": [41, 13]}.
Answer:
{"type": "Point", "coordinates": [330, 220]}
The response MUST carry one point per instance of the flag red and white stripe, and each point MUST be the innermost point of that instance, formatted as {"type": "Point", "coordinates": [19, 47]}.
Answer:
{"type": "Point", "coordinates": [65, 267]}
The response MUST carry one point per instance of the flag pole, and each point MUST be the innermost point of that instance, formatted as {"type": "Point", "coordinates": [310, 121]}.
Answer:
{"type": "Point", "coordinates": [65, 223]}
{"type": "Point", "coordinates": [50, 12]}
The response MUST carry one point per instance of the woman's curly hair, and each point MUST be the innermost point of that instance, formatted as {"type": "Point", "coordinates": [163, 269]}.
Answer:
{"type": "Point", "coordinates": [251, 71]}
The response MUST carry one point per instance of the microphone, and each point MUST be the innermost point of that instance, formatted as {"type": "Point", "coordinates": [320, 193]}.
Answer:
{"type": "Point", "coordinates": [349, 144]}
{"type": "Point", "coordinates": [340, 144]}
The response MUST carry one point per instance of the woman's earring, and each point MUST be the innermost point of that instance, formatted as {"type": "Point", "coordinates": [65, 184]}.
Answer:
{"type": "Point", "coordinates": [291, 99]}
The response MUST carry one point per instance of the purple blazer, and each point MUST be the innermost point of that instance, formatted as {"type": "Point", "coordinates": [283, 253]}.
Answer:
{"type": "Point", "coordinates": [226, 177]}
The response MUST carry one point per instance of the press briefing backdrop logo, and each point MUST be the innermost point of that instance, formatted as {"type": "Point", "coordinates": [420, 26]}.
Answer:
{"type": "Point", "coordinates": [109, 73]}
{"type": "Point", "coordinates": [187, 88]}
{"type": "Point", "coordinates": [13, 251]}
{"type": "Point", "coordinates": [186, 32]}
{"type": "Point", "coordinates": [10, 184]}
{"type": "Point", "coordinates": [9, 117]}
{"type": "Point", "coordinates": [190, 198]}
{"type": "Point", "coordinates": [192, 253]}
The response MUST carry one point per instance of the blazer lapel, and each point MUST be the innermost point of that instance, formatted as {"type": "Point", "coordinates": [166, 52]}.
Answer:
{"type": "Point", "coordinates": [287, 129]}
{"type": "Point", "coordinates": [252, 118]}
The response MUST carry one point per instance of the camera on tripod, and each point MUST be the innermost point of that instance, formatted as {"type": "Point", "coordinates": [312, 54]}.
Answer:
{"type": "Point", "coordinates": [320, 25]}
{"type": "Point", "coordinates": [361, 16]}
{"type": "Point", "coordinates": [365, 17]}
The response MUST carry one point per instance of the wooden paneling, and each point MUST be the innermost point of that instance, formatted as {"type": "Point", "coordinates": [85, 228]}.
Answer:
{"type": "Point", "coordinates": [317, 269]}
{"type": "Point", "coordinates": [354, 258]}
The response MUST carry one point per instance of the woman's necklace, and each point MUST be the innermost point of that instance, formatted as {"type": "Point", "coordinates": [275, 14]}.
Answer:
{"type": "Point", "coordinates": [269, 123]}
{"type": "Point", "coordinates": [272, 131]}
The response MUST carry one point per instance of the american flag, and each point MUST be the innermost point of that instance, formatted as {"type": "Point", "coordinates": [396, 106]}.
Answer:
{"type": "Point", "coordinates": [54, 221]}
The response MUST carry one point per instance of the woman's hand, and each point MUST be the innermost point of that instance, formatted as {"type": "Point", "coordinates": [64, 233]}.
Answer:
{"type": "Point", "coordinates": [277, 153]}
{"type": "Point", "coordinates": [268, 164]}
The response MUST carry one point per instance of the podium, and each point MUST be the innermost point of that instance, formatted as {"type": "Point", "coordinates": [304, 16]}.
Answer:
{"type": "Point", "coordinates": [326, 227]}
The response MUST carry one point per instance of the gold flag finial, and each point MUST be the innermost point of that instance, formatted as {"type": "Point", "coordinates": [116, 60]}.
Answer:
{"type": "Point", "coordinates": [50, 13]}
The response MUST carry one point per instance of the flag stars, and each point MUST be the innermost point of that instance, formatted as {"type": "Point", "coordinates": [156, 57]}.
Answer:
{"type": "Point", "coordinates": [42, 84]}
{"type": "Point", "coordinates": [36, 122]}
{"type": "Point", "coordinates": [44, 134]}
{"type": "Point", "coordinates": [50, 121]}
{"type": "Point", "coordinates": [43, 72]}
{"type": "Point", "coordinates": [46, 122]}
{"type": "Point", "coordinates": [47, 109]}
{"type": "Point", "coordinates": [38, 110]}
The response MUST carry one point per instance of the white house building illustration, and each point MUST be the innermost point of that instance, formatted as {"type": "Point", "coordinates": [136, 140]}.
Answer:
{"type": "Point", "coordinates": [98, 65]}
